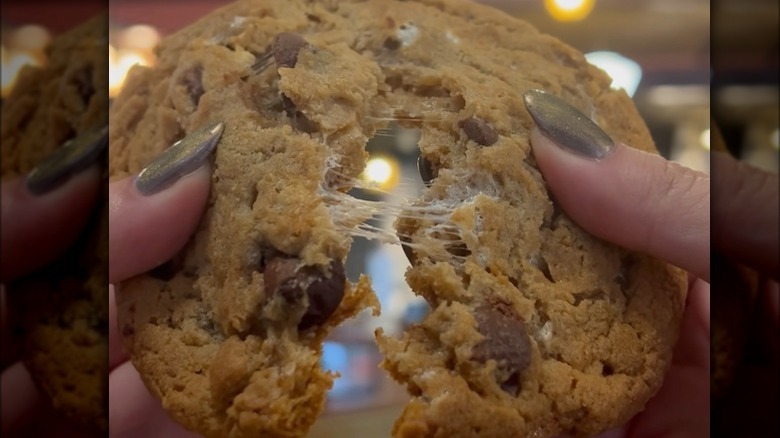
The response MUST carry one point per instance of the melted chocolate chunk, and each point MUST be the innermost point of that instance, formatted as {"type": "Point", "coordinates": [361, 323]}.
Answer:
{"type": "Point", "coordinates": [391, 43]}
{"type": "Point", "coordinates": [427, 171]}
{"type": "Point", "coordinates": [285, 48]}
{"type": "Point", "coordinates": [325, 294]}
{"type": "Point", "coordinates": [192, 79]}
{"type": "Point", "coordinates": [506, 341]}
{"type": "Point", "coordinates": [285, 278]}
{"type": "Point", "coordinates": [281, 278]}
{"type": "Point", "coordinates": [479, 130]}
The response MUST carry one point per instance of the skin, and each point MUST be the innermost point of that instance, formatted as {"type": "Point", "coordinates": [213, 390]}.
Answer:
{"type": "Point", "coordinates": [671, 221]}
{"type": "Point", "coordinates": [35, 230]}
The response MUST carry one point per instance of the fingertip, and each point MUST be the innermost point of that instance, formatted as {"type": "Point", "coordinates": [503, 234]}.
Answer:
{"type": "Point", "coordinates": [134, 412]}
{"type": "Point", "coordinates": [36, 229]}
{"type": "Point", "coordinates": [19, 398]}
{"type": "Point", "coordinates": [745, 211]}
{"type": "Point", "coordinates": [145, 230]}
{"type": "Point", "coordinates": [634, 199]}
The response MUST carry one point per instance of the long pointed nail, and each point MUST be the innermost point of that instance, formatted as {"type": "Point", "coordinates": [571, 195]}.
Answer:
{"type": "Point", "coordinates": [69, 159]}
{"type": "Point", "coordinates": [566, 126]}
{"type": "Point", "coordinates": [180, 159]}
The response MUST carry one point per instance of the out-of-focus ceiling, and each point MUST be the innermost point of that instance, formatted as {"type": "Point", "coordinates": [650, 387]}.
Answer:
{"type": "Point", "coordinates": [662, 35]}
{"type": "Point", "coordinates": [669, 38]}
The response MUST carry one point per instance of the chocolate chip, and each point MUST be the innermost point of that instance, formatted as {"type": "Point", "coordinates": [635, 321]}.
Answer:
{"type": "Point", "coordinates": [325, 294]}
{"type": "Point", "coordinates": [285, 48]}
{"type": "Point", "coordinates": [192, 79]}
{"type": "Point", "coordinates": [479, 130]}
{"type": "Point", "coordinates": [391, 43]}
{"type": "Point", "coordinates": [506, 341]}
{"type": "Point", "coordinates": [427, 171]}
{"type": "Point", "coordinates": [280, 278]}
{"type": "Point", "coordinates": [286, 278]}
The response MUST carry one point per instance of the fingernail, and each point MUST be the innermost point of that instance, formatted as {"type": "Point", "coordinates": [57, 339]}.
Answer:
{"type": "Point", "coordinates": [180, 159]}
{"type": "Point", "coordinates": [566, 126]}
{"type": "Point", "coordinates": [69, 159]}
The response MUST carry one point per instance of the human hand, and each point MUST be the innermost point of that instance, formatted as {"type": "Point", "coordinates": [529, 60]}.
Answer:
{"type": "Point", "coordinates": [152, 217]}
{"type": "Point", "coordinates": [645, 203]}
{"type": "Point", "coordinates": [43, 213]}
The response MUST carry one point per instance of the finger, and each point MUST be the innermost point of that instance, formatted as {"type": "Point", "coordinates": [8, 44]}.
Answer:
{"type": "Point", "coordinates": [745, 214]}
{"type": "Point", "coordinates": [133, 412]}
{"type": "Point", "coordinates": [20, 398]}
{"type": "Point", "coordinates": [145, 230]}
{"type": "Point", "coordinates": [36, 229]}
{"type": "Point", "coordinates": [23, 404]}
{"type": "Point", "coordinates": [693, 346]}
{"type": "Point", "coordinates": [632, 198]}
{"type": "Point", "coordinates": [682, 406]}
{"type": "Point", "coordinates": [153, 214]}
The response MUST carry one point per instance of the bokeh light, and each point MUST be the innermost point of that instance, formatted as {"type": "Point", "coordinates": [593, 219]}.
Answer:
{"type": "Point", "coordinates": [13, 62]}
{"type": "Point", "coordinates": [139, 36]}
{"type": "Point", "coordinates": [30, 37]}
{"type": "Point", "coordinates": [569, 10]}
{"type": "Point", "coordinates": [381, 172]}
{"type": "Point", "coordinates": [704, 139]}
{"type": "Point", "coordinates": [625, 73]}
{"type": "Point", "coordinates": [119, 64]}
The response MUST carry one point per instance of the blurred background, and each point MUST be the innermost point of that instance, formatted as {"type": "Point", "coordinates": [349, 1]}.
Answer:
{"type": "Point", "coordinates": [681, 60]}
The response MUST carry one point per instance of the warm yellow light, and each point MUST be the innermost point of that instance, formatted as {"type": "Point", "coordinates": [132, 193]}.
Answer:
{"type": "Point", "coordinates": [569, 10]}
{"type": "Point", "coordinates": [382, 172]}
{"type": "Point", "coordinates": [379, 171]}
{"type": "Point", "coordinates": [704, 139]}
{"type": "Point", "coordinates": [13, 63]}
{"type": "Point", "coordinates": [139, 36]}
{"type": "Point", "coordinates": [119, 63]}
{"type": "Point", "coordinates": [625, 73]}
{"type": "Point", "coordinates": [30, 37]}
{"type": "Point", "coordinates": [775, 138]}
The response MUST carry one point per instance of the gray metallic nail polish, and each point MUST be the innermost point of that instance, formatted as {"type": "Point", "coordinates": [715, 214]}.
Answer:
{"type": "Point", "coordinates": [69, 159]}
{"type": "Point", "coordinates": [566, 126]}
{"type": "Point", "coordinates": [181, 158]}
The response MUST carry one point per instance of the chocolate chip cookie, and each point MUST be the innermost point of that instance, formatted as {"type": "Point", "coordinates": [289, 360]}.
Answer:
{"type": "Point", "coordinates": [536, 327]}
{"type": "Point", "coordinates": [60, 313]}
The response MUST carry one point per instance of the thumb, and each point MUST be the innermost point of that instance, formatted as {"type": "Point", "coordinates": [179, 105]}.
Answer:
{"type": "Point", "coordinates": [745, 214]}
{"type": "Point", "coordinates": [37, 228]}
{"type": "Point", "coordinates": [154, 214]}
{"type": "Point", "coordinates": [629, 197]}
